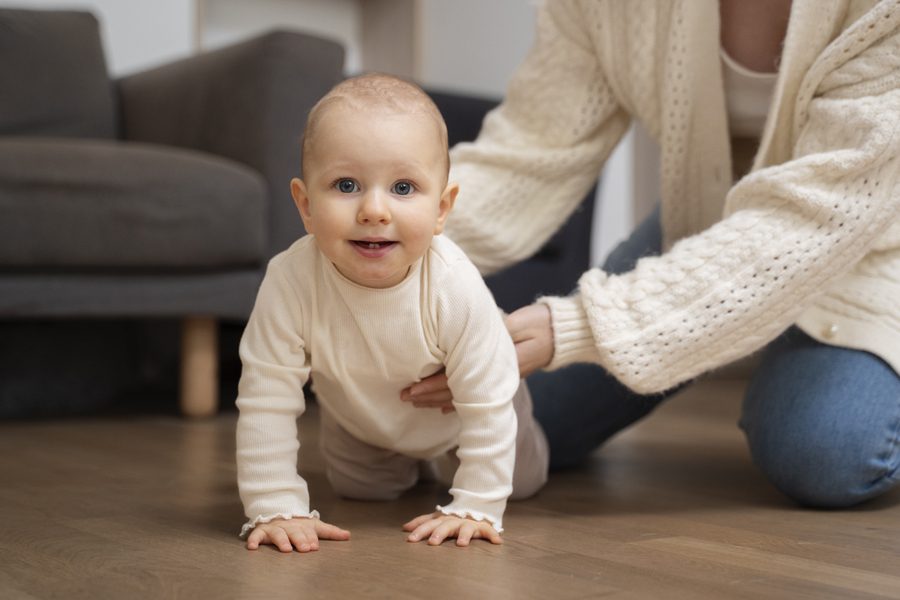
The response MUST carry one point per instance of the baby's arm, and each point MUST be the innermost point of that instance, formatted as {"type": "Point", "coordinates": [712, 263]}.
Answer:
{"type": "Point", "coordinates": [483, 374]}
{"type": "Point", "coordinates": [270, 399]}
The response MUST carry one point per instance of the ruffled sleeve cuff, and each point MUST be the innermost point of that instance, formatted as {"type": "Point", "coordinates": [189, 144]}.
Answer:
{"type": "Point", "coordinates": [475, 515]}
{"type": "Point", "coordinates": [252, 523]}
{"type": "Point", "coordinates": [573, 341]}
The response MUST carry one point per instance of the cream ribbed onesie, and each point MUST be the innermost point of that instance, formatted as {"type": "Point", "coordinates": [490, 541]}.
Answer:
{"type": "Point", "coordinates": [362, 346]}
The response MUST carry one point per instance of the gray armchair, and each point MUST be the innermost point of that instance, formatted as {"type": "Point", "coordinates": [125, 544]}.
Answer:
{"type": "Point", "coordinates": [160, 194]}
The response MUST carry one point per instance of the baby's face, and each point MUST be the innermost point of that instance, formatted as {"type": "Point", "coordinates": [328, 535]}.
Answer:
{"type": "Point", "coordinates": [374, 192]}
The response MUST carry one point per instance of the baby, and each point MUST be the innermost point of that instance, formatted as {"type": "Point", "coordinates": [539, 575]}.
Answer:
{"type": "Point", "coordinates": [370, 301]}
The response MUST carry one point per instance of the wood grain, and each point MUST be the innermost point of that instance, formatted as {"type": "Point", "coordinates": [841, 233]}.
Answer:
{"type": "Point", "coordinates": [146, 506]}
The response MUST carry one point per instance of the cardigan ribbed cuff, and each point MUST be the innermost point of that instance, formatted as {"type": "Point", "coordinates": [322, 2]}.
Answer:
{"type": "Point", "coordinates": [573, 340]}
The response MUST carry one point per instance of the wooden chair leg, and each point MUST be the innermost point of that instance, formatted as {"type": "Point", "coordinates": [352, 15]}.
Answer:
{"type": "Point", "coordinates": [199, 367]}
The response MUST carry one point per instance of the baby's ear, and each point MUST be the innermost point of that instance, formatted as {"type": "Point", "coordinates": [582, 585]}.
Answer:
{"type": "Point", "coordinates": [448, 198]}
{"type": "Point", "coordinates": [301, 201]}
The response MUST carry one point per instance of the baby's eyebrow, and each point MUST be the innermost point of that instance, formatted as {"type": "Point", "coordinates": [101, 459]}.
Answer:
{"type": "Point", "coordinates": [335, 171]}
{"type": "Point", "coordinates": [417, 171]}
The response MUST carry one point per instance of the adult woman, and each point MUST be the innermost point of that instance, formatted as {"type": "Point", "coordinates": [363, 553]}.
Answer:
{"type": "Point", "coordinates": [801, 256]}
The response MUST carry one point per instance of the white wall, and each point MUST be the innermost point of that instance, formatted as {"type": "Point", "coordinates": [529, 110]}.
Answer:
{"type": "Point", "coordinates": [473, 46]}
{"type": "Point", "coordinates": [613, 215]}
{"type": "Point", "coordinates": [136, 34]}
{"type": "Point", "coordinates": [226, 21]}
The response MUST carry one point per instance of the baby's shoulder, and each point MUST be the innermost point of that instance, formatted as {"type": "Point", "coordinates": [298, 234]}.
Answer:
{"type": "Point", "coordinates": [298, 258]}
{"type": "Point", "coordinates": [446, 259]}
{"type": "Point", "coordinates": [452, 275]}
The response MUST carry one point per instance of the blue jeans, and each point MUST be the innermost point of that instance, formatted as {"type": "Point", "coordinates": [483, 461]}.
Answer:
{"type": "Point", "coordinates": [822, 422]}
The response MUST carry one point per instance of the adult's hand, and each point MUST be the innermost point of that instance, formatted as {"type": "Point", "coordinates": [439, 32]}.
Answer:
{"type": "Point", "coordinates": [532, 332]}
{"type": "Point", "coordinates": [431, 392]}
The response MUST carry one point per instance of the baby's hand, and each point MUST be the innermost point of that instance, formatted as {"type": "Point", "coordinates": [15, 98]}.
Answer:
{"type": "Point", "coordinates": [301, 533]}
{"type": "Point", "coordinates": [440, 527]}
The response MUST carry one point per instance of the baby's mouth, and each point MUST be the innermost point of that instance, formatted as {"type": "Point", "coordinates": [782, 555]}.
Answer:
{"type": "Point", "coordinates": [369, 245]}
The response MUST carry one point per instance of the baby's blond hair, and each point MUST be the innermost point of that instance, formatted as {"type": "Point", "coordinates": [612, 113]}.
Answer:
{"type": "Point", "coordinates": [374, 92]}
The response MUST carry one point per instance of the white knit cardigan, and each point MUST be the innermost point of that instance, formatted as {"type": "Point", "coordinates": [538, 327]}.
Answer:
{"type": "Point", "coordinates": [810, 236]}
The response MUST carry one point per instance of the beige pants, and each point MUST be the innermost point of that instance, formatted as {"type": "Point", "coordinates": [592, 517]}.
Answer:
{"type": "Point", "coordinates": [364, 472]}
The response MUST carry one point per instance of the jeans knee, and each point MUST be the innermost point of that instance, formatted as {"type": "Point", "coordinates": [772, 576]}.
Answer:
{"type": "Point", "coordinates": [823, 422]}
{"type": "Point", "coordinates": [820, 474]}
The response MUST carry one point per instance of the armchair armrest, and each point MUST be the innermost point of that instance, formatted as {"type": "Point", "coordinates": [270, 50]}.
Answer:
{"type": "Point", "coordinates": [247, 102]}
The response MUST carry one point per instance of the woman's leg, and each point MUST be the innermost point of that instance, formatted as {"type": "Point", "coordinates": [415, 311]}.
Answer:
{"type": "Point", "coordinates": [581, 406]}
{"type": "Point", "coordinates": [822, 422]}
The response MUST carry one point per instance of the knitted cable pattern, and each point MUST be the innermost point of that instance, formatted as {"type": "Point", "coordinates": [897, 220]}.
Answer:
{"type": "Point", "coordinates": [809, 237]}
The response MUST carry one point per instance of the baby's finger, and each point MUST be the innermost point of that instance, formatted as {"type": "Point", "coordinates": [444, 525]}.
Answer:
{"type": "Point", "coordinates": [257, 536]}
{"type": "Point", "coordinates": [410, 525]}
{"type": "Point", "coordinates": [279, 537]}
{"type": "Point", "coordinates": [466, 531]}
{"type": "Point", "coordinates": [424, 530]}
{"type": "Point", "coordinates": [448, 528]}
{"type": "Point", "coordinates": [302, 541]}
{"type": "Point", "coordinates": [487, 531]}
{"type": "Point", "coordinates": [326, 531]}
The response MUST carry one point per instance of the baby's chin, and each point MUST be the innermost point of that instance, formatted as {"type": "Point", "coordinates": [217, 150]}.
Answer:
{"type": "Point", "coordinates": [374, 281]}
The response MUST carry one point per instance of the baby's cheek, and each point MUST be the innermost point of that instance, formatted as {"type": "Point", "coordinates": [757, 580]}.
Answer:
{"type": "Point", "coordinates": [421, 242]}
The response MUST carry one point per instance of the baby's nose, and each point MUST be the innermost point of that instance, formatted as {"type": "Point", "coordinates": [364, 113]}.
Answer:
{"type": "Point", "coordinates": [373, 209]}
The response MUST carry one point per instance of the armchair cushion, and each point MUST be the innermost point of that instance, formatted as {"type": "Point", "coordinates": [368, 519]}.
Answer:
{"type": "Point", "coordinates": [99, 205]}
{"type": "Point", "coordinates": [247, 102]}
{"type": "Point", "coordinates": [53, 79]}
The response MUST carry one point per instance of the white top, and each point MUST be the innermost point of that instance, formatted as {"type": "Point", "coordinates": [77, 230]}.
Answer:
{"type": "Point", "coordinates": [362, 346]}
{"type": "Point", "coordinates": [811, 236]}
{"type": "Point", "coordinates": [748, 95]}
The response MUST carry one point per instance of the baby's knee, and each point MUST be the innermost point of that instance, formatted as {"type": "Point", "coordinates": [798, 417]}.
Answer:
{"type": "Point", "coordinates": [353, 488]}
{"type": "Point", "coordinates": [532, 467]}
{"type": "Point", "coordinates": [526, 488]}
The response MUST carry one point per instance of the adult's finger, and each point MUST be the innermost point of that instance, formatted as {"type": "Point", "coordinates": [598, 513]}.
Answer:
{"type": "Point", "coordinates": [432, 383]}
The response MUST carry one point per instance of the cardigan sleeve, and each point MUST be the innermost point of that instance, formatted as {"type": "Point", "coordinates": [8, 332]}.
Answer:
{"type": "Point", "coordinates": [789, 230]}
{"type": "Point", "coordinates": [483, 374]}
{"type": "Point", "coordinates": [270, 399]}
{"type": "Point", "coordinates": [540, 151]}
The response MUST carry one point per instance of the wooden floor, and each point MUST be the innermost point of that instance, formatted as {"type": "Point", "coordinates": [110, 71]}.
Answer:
{"type": "Point", "coordinates": [146, 507]}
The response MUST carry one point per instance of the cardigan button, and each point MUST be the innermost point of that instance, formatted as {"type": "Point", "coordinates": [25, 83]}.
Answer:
{"type": "Point", "coordinates": [830, 331]}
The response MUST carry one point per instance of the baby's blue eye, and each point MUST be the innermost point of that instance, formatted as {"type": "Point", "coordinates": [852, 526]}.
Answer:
{"type": "Point", "coordinates": [402, 188]}
{"type": "Point", "coordinates": [347, 186]}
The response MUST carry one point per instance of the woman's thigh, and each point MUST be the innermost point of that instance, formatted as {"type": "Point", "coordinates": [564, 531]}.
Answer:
{"type": "Point", "coordinates": [823, 422]}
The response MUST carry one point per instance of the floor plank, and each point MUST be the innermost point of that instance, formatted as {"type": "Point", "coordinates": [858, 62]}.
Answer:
{"type": "Point", "coordinates": [146, 506]}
